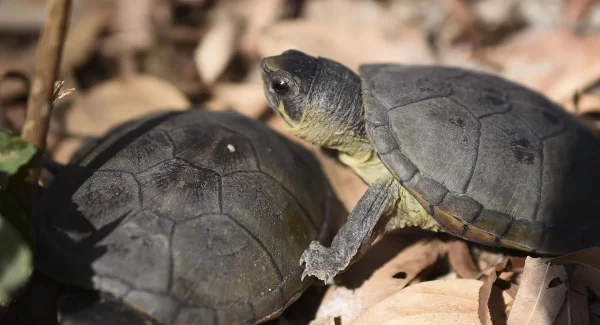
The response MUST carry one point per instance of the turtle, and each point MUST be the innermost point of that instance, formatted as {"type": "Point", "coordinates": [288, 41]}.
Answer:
{"type": "Point", "coordinates": [186, 217]}
{"type": "Point", "coordinates": [445, 148]}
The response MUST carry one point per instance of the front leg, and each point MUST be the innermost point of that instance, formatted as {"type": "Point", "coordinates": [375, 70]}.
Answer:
{"type": "Point", "coordinates": [365, 222]}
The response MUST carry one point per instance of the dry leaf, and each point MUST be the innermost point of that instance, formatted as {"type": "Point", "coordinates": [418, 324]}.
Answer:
{"type": "Point", "coordinates": [116, 101]}
{"type": "Point", "coordinates": [350, 44]}
{"type": "Point", "coordinates": [589, 257]}
{"type": "Point", "coordinates": [132, 27]}
{"type": "Point", "coordinates": [491, 309]}
{"type": "Point", "coordinates": [585, 277]}
{"type": "Point", "coordinates": [541, 294]}
{"type": "Point", "coordinates": [531, 58]}
{"type": "Point", "coordinates": [261, 14]}
{"type": "Point", "coordinates": [216, 48]}
{"type": "Point", "coordinates": [574, 311]}
{"type": "Point", "coordinates": [365, 13]}
{"type": "Point", "coordinates": [461, 260]}
{"type": "Point", "coordinates": [431, 302]}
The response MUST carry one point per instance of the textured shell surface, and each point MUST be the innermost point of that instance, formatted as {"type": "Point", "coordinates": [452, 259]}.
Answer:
{"type": "Point", "coordinates": [491, 160]}
{"type": "Point", "coordinates": [195, 217]}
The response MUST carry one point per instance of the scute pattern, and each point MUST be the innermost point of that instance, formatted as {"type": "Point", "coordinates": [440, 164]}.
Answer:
{"type": "Point", "coordinates": [174, 188]}
{"type": "Point", "coordinates": [521, 165]}
{"type": "Point", "coordinates": [172, 230]}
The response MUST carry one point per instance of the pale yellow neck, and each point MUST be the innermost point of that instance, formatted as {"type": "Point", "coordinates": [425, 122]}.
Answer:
{"type": "Point", "coordinates": [368, 166]}
{"type": "Point", "coordinates": [409, 212]}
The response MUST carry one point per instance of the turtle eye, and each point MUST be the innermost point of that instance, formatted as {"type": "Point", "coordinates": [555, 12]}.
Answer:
{"type": "Point", "coordinates": [280, 86]}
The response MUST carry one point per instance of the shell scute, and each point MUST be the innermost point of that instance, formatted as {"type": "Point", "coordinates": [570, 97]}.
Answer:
{"type": "Point", "coordinates": [180, 191]}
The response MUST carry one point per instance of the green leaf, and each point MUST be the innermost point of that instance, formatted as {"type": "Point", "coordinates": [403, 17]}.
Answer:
{"type": "Point", "coordinates": [14, 153]}
{"type": "Point", "coordinates": [16, 261]}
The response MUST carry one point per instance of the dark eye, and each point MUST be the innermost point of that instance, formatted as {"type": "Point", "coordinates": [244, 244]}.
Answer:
{"type": "Point", "coordinates": [280, 86]}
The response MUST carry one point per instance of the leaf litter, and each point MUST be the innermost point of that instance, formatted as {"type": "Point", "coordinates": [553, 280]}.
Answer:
{"type": "Point", "coordinates": [126, 58]}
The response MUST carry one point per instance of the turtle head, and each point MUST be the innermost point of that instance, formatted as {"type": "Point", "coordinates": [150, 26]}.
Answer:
{"type": "Point", "coordinates": [318, 99]}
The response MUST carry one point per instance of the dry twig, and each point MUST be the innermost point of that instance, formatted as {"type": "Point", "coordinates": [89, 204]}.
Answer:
{"type": "Point", "coordinates": [44, 89]}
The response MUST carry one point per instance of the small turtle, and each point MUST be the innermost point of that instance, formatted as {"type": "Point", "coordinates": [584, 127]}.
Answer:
{"type": "Point", "coordinates": [190, 218]}
{"type": "Point", "coordinates": [442, 148]}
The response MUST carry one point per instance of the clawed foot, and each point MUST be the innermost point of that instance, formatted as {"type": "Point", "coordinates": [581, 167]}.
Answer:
{"type": "Point", "coordinates": [322, 262]}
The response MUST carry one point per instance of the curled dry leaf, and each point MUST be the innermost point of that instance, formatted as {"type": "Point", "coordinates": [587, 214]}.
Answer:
{"type": "Point", "coordinates": [541, 293]}
{"type": "Point", "coordinates": [490, 308]}
{"type": "Point", "coordinates": [461, 260]}
{"type": "Point", "coordinates": [217, 46]}
{"type": "Point", "coordinates": [351, 44]}
{"type": "Point", "coordinates": [116, 101]}
{"type": "Point", "coordinates": [390, 265]}
{"type": "Point", "coordinates": [431, 302]}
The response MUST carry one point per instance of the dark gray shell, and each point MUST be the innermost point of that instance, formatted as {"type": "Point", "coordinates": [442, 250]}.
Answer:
{"type": "Point", "coordinates": [492, 161]}
{"type": "Point", "coordinates": [195, 218]}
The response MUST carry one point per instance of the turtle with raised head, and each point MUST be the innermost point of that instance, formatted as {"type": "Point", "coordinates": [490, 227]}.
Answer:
{"type": "Point", "coordinates": [442, 148]}
{"type": "Point", "coordinates": [191, 217]}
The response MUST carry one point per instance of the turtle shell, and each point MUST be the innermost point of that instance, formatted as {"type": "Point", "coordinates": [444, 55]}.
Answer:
{"type": "Point", "coordinates": [192, 217]}
{"type": "Point", "coordinates": [492, 161]}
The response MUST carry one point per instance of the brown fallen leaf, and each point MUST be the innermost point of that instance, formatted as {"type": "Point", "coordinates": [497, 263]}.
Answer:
{"type": "Point", "coordinates": [589, 257]}
{"type": "Point", "coordinates": [217, 46]}
{"type": "Point", "coordinates": [490, 308]}
{"type": "Point", "coordinates": [131, 24]}
{"type": "Point", "coordinates": [575, 310]}
{"type": "Point", "coordinates": [342, 42]}
{"type": "Point", "coordinates": [462, 12]}
{"type": "Point", "coordinates": [366, 13]}
{"type": "Point", "coordinates": [541, 294]}
{"type": "Point", "coordinates": [116, 101]}
{"type": "Point", "coordinates": [261, 14]}
{"type": "Point", "coordinates": [428, 303]}
{"type": "Point", "coordinates": [461, 260]}
{"type": "Point", "coordinates": [531, 58]}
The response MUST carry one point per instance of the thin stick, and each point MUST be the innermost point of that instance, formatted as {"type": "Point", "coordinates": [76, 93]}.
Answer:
{"type": "Point", "coordinates": [43, 88]}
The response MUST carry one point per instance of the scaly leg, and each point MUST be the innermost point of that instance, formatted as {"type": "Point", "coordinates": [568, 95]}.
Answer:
{"type": "Point", "coordinates": [353, 239]}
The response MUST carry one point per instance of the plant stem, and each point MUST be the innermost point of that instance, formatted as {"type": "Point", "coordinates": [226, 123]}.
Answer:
{"type": "Point", "coordinates": [43, 88]}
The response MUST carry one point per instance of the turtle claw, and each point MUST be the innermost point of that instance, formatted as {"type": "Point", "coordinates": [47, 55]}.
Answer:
{"type": "Point", "coordinates": [321, 262]}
